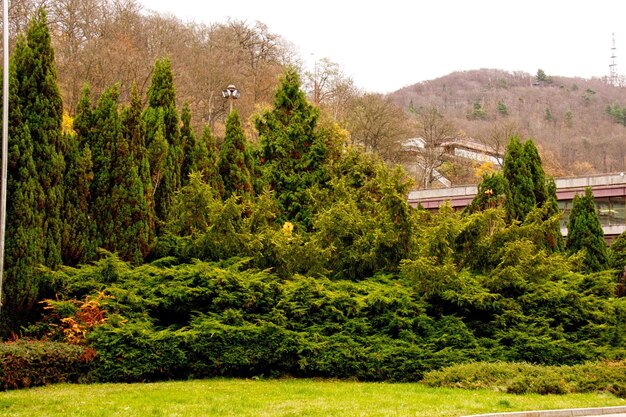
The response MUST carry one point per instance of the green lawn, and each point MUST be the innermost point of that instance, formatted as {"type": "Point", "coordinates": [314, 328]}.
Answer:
{"type": "Point", "coordinates": [285, 397]}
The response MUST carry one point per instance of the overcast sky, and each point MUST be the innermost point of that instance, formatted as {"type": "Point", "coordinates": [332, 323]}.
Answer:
{"type": "Point", "coordinates": [388, 44]}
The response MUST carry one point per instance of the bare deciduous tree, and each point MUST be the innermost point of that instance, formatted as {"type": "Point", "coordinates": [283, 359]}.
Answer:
{"type": "Point", "coordinates": [433, 130]}
{"type": "Point", "coordinates": [379, 125]}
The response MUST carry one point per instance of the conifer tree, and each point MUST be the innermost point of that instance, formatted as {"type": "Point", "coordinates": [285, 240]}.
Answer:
{"type": "Point", "coordinates": [520, 197]}
{"type": "Point", "coordinates": [292, 154]}
{"type": "Point", "coordinates": [551, 205]}
{"type": "Point", "coordinates": [79, 241]}
{"type": "Point", "coordinates": [162, 109]}
{"type": "Point", "coordinates": [79, 231]}
{"type": "Point", "coordinates": [491, 193]}
{"type": "Point", "coordinates": [584, 231]}
{"type": "Point", "coordinates": [24, 227]}
{"type": "Point", "coordinates": [189, 145]}
{"type": "Point", "coordinates": [134, 130]}
{"type": "Point", "coordinates": [235, 161]}
{"type": "Point", "coordinates": [204, 158]}
{"type": "Point", "coordinates": [158, 150]}
{"type": "Point", "coordinates": [83, 120]}
{"type": "Point", "coordinates": [35, 168]}
{"type": "Point", "coordinates": [210, 164]}
{"type": "Point", "coordinates": [42, 112]}
{"type": "Point", "coordinates": [132, 238]}
{"type": "Point", "coordinates": [537, 175]}
{"type": "Point", "coordinates": [105, 136]}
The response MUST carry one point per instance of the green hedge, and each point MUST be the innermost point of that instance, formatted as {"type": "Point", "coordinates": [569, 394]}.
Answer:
{"type": "Point", "coordinates": [26, 363]}
{"type": "Point", "coordinates": [524, 378]}
{"type": "Point", "coordinates": [136, 351]}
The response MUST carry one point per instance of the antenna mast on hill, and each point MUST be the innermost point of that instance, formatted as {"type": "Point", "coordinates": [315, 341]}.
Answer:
{"type": "Point", "coordinates": [613, 78]}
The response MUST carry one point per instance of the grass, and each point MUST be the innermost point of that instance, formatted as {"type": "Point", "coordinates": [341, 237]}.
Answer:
{"type": "Point", "coordinates": [283, 397]}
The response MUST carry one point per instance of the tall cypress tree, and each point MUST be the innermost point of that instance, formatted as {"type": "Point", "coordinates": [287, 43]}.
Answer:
{"type": "Point", "coordinates": [189, 145]}
{"type": "Point", "coordinates": [292, 154]}
{"type": "Point", "coordinates": [235, 163]}
{"type": "Point", "coordinates": [79, 231]}
{"type": "Point", "coordinates": [79, 241]}
{"type": "Point", "coordinates": [42, 110]}
{"type": "Point", "coordinates": [134, 130]}
{"type": "Point", "coordinates": [551, 205]}
{"type": "Point", "coordinates": [584, 231]}
{"type": "Point", "coordinates": [537, 175]}
{"type": "Point", "coordinates": [158, 150]}
{"type": "Point", "coordinates": [105, 136]}
{"type": "Point", "coordinates": [162, 105]}
{"type": "Point", "coordinates": [209, 165]}
{"type": "Point", "coordinates": [128, 205]}
{"type": "Point", "coordinates": [24, 227]}
{"type": "Point", "coordinates": [35, 169]}
{"type": "Point", "coordinates": [204, 158]}
{"type": "Point", "coordinates": [520, 197]}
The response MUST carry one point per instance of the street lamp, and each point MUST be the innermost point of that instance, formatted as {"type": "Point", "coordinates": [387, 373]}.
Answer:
{"type": "Point", "coordinates": [232, 93]}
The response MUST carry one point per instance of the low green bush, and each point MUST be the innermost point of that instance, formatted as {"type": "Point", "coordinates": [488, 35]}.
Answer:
{"type": "Point", "coordinates": [136, 352]}
{"type": "Point", "coordinates": [217, 349]}
{"type": "Point", "coordinates": [524, 378]}
{"type": "Point", "coordinates": [26, 363]}
{"type": "Point", "coordinates": [542, 381]}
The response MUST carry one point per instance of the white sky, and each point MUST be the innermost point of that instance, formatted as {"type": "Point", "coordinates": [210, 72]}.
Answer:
{"type": "Point", "coordinates": [388, 44]}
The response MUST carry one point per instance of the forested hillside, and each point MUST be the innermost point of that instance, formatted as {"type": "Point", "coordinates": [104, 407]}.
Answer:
{"type": "Point", "coordinates": [577, 123]}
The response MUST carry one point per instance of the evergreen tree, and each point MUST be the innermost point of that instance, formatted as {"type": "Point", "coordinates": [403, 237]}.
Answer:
{"type": "Point", "coordinates": [551, 205]}
{"type": "Point", "coordinates": [129, 209]}
{"type": "Point", "coordinates": [83, 120]}
{"type": "Point", "coordinates": [42, 112]}
{"type": "Point", "coordinates": [491, 193]}
{"type": "Point", "coordinates": [105, 136]}
{"type": "Point", "coordinates": [205, 157]}
{"type": "Point", "coordinates": [584, 231]}
{"type": "Point", "coordinates": [502, 108]}
{"type": "Point", "coordinates": [520, 197]}
{"type": "Point", "coordinates": [24, 227]}
{"type": "Point", "coordinates": [162, 105]}
{"type": "Point", "coordinates": [537, 175]}
{"type": "Point", "coordinates": [158, 150]}
{"type": "Point", "coordinates": [235, 161]}
{"type": "Point", "coordinates": [189, 145]}
{"type": "Point", "coordinates": [35, 169]}
{"type": "Point", "coordinates": [79, 231]}
{"type": "Point", "coordinates": [292, 154]}
{"type": "Point", "coordinates": [617, 262]}
{"type": "Point", "coordinates": [134, 131]}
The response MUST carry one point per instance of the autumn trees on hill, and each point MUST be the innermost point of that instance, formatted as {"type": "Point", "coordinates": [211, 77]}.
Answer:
{"type": "Point", "coordinates": [575, 122]}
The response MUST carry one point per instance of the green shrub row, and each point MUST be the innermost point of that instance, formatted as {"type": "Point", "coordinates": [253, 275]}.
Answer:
{"type": "Point", "coordinates": [25, 363]}
{"type": "Point", "coordinates": [525, 378]}
{"type": "Point", "coordinates": [208, 348]}
{"type": "Point", "coordinates": [171, 320]}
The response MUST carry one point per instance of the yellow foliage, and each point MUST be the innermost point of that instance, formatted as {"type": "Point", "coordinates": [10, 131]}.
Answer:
{"type": "Point", "coordinates": [484, 168]}
{"type": "Point", "coordinates": [67, 124]}
{"type": "Point", "coordinates": [287, 229]}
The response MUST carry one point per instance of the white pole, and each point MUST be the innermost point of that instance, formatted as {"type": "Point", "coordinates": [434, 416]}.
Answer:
{"type": "Point", "coordinates": [5, 134]}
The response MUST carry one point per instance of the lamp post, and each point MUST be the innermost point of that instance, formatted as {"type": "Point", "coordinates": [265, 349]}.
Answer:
{"type": "Point", "coordinates": [232, 93]}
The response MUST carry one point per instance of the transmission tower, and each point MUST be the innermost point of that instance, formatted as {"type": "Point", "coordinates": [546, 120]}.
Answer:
{"type": "Point", "coordinates": [613, 78]}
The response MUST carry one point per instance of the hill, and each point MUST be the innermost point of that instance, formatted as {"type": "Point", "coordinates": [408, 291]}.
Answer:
{"type": "Point", "coordinates": [567, 117]}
